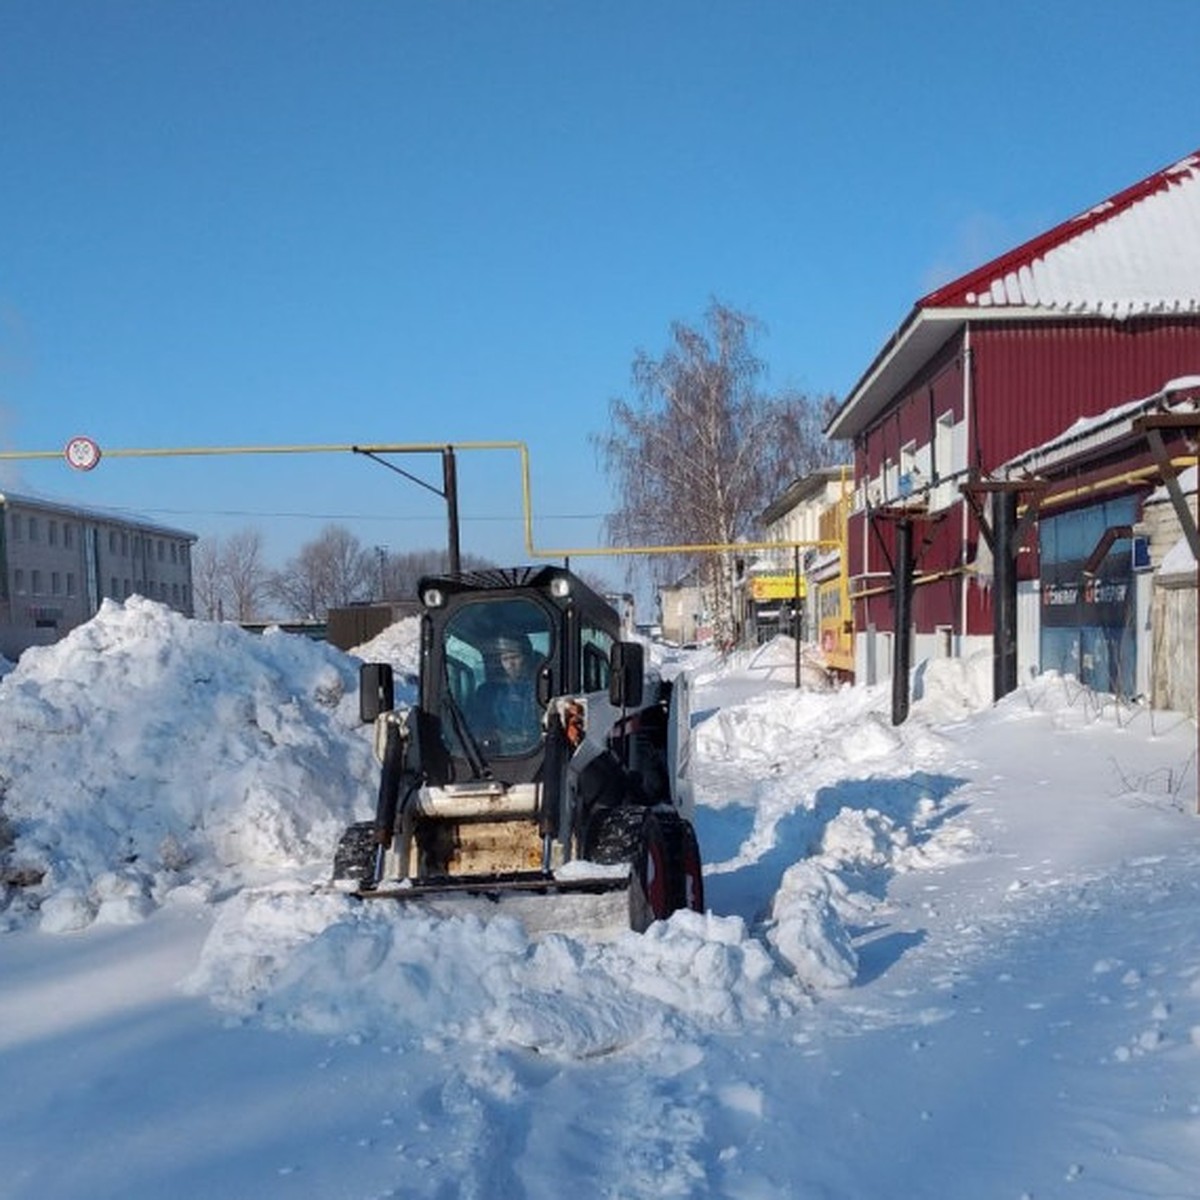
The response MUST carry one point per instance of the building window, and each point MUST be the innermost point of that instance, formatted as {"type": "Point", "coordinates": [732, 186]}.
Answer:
{"type": "Point", "coordinates": [162, 551]}
{"type": "Point", "coordinates": [113, 590]}
{"type": "Point", "coordinates": [907, 482]}
{"type": "Point", "coordinates": [68, 534]}
{"type": "Point", "coordinates": [52, 533]}
{"type": "Point", "coordinates": [112, 542]}
{"type": "Point", "coordinates": [70, 583]}
{"type": "Point", "coordinates": [943, 446]}
{"type": "Point", "coordinates": [55, 583]}
{"type": "Point", "coordinates": [174, 593]}
{"type": "Point", "coordinates": [33, 529]}
{"type": "Point", "coordinates": [35, 582]}
{"type": "Point", "coordinates": [15, 523]}
{"type": "Point", "coordinates": [174, 553]}
{"type": "Point", "coordinates": [19, 582]}
{"type": "Point", "coordinates": [125, 545]}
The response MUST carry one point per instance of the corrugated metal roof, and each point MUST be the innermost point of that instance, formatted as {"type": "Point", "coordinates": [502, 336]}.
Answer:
{"type": "Point", "coordinates": [1135, 254]}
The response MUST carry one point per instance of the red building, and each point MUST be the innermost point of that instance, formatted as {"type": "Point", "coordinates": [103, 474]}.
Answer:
{"type": "Point", "coordinates": [1102, 310]}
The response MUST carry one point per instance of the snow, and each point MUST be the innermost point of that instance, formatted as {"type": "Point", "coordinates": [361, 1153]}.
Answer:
{"type": "Point", "coordinates": [956, 956]}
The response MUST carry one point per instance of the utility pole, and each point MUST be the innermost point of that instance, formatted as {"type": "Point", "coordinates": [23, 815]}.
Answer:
{"type": "Point", "coordinates": [450, 491]}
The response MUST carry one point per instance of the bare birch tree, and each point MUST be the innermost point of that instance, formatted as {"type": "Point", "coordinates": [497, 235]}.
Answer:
{"type": "Point", "coordinates": [700, 451]}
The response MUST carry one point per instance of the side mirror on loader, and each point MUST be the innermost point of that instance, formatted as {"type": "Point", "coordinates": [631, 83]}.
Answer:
{"type": "Point", "coordinates": [376, 691]}
{"type": "Point", "coordinates": [627, 665]}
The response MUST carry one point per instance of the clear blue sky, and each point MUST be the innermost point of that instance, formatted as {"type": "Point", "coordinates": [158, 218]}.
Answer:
{"type": "Point", "coordinates": [258, 222]}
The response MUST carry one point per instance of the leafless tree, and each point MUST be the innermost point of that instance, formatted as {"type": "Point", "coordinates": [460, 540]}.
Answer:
{"type": "Point", "coordinates": [332, 571]}
{"type": "Point", "coordinates": [701, 450]}
{"type": "Point", "coordinates": [402, 572]}
{"type": "Point", "coordinates": [245, 576]}
{"type": "Point", "coordinates": [208, 584]}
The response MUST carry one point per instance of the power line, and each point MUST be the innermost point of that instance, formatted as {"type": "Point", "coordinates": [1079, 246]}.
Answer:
{"type": "Point", "coordinates": [306, 516]}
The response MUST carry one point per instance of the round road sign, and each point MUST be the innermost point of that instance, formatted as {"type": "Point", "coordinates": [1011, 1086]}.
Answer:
{"type": "Point", "coordinates": [82, 453]}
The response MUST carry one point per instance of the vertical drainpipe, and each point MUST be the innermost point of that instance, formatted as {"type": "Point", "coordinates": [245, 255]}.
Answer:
{"type": "Point", "coordinates": [966, 579]}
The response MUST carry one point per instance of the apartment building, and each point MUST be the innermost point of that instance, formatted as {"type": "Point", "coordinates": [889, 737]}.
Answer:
{"type": "Point", "coordinates": [58, 562]}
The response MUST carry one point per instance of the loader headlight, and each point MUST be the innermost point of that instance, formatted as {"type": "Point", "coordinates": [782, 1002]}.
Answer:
{"type": "Point", "coordinates": [433, 598]}
{"type": "Point", "coordinates": [560, 587]}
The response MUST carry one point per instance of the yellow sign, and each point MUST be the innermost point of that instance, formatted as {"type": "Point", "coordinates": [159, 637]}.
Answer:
{"type": "Point", "coordinates": [774, 587]}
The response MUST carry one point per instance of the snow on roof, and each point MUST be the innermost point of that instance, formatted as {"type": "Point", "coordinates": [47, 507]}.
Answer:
{"type": "Point", "coordinates": [110, 516]}
{"type": "Point", "coordinates": [1136, 253]}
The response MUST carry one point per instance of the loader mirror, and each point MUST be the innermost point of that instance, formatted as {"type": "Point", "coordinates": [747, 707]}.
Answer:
{"type": "Point", "coordinates": [625, 676]}
{"type": "Point", "coordinates": [376, 691]}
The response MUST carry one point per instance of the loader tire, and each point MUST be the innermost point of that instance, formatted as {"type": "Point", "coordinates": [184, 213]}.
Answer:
{"type": "Point", "coordinates": [691, 870]}
{"type": "Point", "coordinates": [613, 835]}
{"type": "Point", "coordinates": [652, 890]}
{"type": "Point", "coordinates": [354, 859]}
{"type": "Point", "coordinates": [667, 873]}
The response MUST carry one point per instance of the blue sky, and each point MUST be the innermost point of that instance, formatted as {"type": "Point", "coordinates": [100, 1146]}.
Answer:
{"type": "Point", "coordinates": [302, 223]}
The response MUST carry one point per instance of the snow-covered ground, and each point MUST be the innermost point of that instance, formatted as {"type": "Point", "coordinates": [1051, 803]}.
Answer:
{"type": "Point", "coordinates": [955, 958]}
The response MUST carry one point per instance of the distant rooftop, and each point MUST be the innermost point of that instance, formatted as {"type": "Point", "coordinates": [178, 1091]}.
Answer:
{"type": "Point", "coordinates": [111, 516]}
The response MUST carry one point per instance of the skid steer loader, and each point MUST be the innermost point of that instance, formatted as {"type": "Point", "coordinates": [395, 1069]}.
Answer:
{"type": "Point", "coordinates": [541, 755]}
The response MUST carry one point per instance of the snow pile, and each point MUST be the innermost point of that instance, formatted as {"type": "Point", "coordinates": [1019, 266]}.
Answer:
{"type": "Point", "coordinates": [400, 645]}
{"type": "Point", "coordinates": [145, 753]}
{"type": "Point", "coordinates": [409, 973]}
{"type": "Point", "coordinates": [845, 805]}
{"type": "Point", "coordinates": [775, 661]}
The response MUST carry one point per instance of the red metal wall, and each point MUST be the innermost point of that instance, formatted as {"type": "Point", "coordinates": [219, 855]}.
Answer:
{"type": "Point", "coordinates": [1033, 380]}
{"type": "Point", "coordinates": [937, 389]}
{"type": "Point", "coordinates": [1029, 382]}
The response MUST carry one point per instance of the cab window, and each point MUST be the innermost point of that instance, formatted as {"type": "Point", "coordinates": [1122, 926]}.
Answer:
{"type": "Point", "coordinates": [597, 646]}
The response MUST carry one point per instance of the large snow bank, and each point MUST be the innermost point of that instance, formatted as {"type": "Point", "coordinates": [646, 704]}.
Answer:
{"type": "Point", "coordinates": [146, 752]}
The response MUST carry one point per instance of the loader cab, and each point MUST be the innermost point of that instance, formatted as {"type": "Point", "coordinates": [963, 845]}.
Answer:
{"type": "Point", "coordinates": [496, 646]}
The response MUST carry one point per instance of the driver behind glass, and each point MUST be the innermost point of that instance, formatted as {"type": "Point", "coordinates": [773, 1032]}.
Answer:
{"type": "Point", "coordinates": [503, 712]}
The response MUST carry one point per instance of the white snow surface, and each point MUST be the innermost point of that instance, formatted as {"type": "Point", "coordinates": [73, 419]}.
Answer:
{"type": "Point", "coordinates": [955, 957]}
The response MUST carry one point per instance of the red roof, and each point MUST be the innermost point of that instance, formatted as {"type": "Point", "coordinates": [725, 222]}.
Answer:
{"type": "Point", "coordinates": [1114, 267]}
{"type": "Point", "coordinates": [1135, 254]}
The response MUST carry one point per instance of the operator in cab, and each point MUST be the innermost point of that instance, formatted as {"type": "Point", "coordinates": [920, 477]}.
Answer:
{"type": "Point", "coordinates": [503, 713]}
